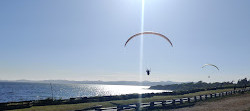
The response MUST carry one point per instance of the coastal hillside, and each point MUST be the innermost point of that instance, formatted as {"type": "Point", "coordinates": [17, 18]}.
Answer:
{"type": "Point", "coordinates": [203, 85]}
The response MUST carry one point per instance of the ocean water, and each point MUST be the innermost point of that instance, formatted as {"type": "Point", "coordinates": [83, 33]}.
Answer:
{"type": "Point", "coordinates": [19, 91]}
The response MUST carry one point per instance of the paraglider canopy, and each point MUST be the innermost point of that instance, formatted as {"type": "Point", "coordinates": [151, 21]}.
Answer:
{"type": "Point", "coordinates": [148, 32]}
{"type": "Point", "coordinates": [210, 65]}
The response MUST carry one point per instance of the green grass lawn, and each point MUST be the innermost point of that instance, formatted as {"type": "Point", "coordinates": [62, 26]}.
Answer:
{"type": "Point", "coordinates": [71, 107]}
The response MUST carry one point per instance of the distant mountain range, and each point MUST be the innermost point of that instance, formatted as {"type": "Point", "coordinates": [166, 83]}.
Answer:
{"type": "Point", "coordinates": [144, 83]}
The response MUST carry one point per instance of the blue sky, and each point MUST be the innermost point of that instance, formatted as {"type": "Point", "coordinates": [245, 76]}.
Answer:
{"type": "Point", "coordinates": [84, 39]}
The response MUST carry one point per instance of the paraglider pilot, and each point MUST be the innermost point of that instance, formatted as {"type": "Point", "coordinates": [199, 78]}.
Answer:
{"type": "Point", "coordinates": [148, 71]}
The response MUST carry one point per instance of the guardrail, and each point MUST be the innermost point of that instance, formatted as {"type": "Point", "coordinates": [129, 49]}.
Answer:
{"type": "Point", "coordinates": [168, 103]}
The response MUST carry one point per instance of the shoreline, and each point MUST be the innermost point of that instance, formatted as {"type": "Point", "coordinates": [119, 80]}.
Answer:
{"type": "Point", "coordinates": [12, 91]}
{"type": "Point", "coordinates": [97, 99]}
{"type": "Point", "coordinates": [90, 97]}
{"type": "Point", "coordinates": [114, 103]}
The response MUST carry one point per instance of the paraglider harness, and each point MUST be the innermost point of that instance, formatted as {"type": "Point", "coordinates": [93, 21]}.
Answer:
{"type": "Point", "coordinates": [148, 71]}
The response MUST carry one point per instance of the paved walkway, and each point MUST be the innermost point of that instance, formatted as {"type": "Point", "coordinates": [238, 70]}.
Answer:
{"type": "Point", "coordinates": [235, 103]}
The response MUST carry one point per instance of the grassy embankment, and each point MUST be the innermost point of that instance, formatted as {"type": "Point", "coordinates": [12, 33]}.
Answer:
{"type": "Point", "coordinates": [70, 107]}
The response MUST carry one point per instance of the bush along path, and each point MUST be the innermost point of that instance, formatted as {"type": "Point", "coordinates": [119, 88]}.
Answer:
{"type": "Point", "coordinates": [169, 104]}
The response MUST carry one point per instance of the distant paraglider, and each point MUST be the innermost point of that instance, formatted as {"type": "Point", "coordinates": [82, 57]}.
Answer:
{"type": "Point", "coordinates": [210, 65]}
{"type": "Point", "coordinates": [148, 32]}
